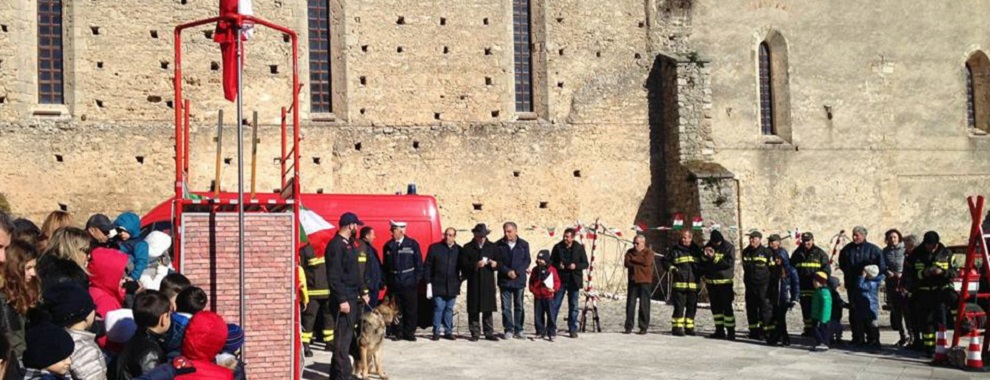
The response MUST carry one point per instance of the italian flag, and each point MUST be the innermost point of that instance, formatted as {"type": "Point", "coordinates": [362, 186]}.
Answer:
{"type": "Point", "coordinates": [226, 35]}
{"type": "Point", "coordinates": [314, 230]}
{"type": "Point", "coordinates": [697, 224]}
{"type": "Point", "coordinates": [640, 227]}
{"type": "Point", "coordinates": [678, 221]}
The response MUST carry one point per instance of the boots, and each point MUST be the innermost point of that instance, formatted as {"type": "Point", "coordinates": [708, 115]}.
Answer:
{"type": "Point", "coordinates": [719, 333]}
{"type": "Point", "coordinates": [690, 331]}
{"type": "Point", "coordinates": [677, 331]}
{"type": "Point", "coordinates": [306, 351]}
{"type": "Point", "coordinates": [732, 334]}
{"type": "Point", "coordinates": [756, 335]}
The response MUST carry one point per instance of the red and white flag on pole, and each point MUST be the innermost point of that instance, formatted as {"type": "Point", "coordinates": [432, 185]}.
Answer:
{"type": "Point", "coordinates": [225, 34]}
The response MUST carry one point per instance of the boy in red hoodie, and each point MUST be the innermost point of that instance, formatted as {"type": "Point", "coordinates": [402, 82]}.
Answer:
{"type": "Point", "coordinates": [540, 282]}
{"type": "Point", "coordinates": [106, 273]}
{"type": "Point", "coordinates": [205, 336]}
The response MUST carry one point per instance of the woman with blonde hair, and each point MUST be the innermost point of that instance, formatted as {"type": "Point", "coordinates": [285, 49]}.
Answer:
{"type": "Point", "coordinates": [66, 258]}
{"type": "Point", "coordinates": [55, 221]}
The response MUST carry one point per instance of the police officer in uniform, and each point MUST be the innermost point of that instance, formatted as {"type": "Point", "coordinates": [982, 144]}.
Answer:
{"type": "Point", "coordinates": [344, 278]}
{"type": "Point", "coordinates": [807, 260]}
{"type": "Point", "coordinates": [404, 271]}
{"type": "Point", "coordinates": [315, 268]}
{"type": "Point", "coordinates": [718, 266]}
{"type": "Point", "coordinates": [756, 276]}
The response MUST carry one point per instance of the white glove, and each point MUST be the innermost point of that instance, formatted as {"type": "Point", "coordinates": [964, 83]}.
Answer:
{"type": "Point", "coordinates": [429, 291]}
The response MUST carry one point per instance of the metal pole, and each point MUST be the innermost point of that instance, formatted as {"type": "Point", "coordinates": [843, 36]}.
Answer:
{"type": "Point", "coordinates": [240, 169]}
{"type": "Point", "coordinates": [216, 179]}
{"type": "Point", "coordinates": [254, 152]}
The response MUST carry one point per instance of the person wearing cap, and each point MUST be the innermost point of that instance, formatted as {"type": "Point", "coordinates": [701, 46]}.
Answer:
{"type": "Point", "coordinates": [756, 260]}
{"type": "Point", "coordinates": [639, 264]}
{"type": "Point", "coordinates": [102, 230]}
{"type": "Point", "coordinates": [443, 281]}
{"type": "Point", "coordinates": [345, 282]}
{"type": "Point", "coordinates": [544, 283]}
{"type": "Point", "coordinates": [853, 258]}
{"type": "Point", "coordinates": [821, 311]}
{"type": "Point", "coordinates": [774, 243]}
{"type": "Point", "coordinates": [807, 260]}
{"type": "Point", "coordinates": [868, 305]}
{"type": "Point", "coordinates": [718, 266]}
{"type": "Point", "coordinates": [403, 261]}
{"type": "Point", "coordinates": [71, 307]}
{"type": "Point", "coordinates": [230, 355]}
{"type": "Point", "coordinates": [570, 259]}
{"type": "Point", "coordinates": [681, 262]}
{"type": "Point", "coordinates": [49, 352]}
{"type": "Point", "coordinates": [933, 274]}
{"type": "Point", "coordinates": [515, 259]}
{"type": "Point", "coordinates": [478, 261]}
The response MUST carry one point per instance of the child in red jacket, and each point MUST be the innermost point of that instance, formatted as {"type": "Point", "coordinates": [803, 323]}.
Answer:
{"type": "Point", "coordinates": [544, 283]}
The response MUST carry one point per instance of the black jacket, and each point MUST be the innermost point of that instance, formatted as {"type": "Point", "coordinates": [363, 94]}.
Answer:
{"type": "Point", "coordinates": [343, 275]}
{"type": "Point", "coordinates": [53, 271]}
{"type": "Point", "coordinates": [719, 269]}
{"type": "Point", "coordinates": [517, 259]}
{"type": "Point", "coordinates": [682, 264]}
{"type": "Point", "coordinates": [854, 257]}
{"type": "Point", "coordinates": [807, 262]}
{"type": "Point", "coordinates": [561, 257]}
{"type": "Point", "coordinates": [143, 352]}
{"type": "Point", "coordinates": [756, 264]}
{"type": "Point", "coordinates": [442, 270]}
{"type": "Point", "coordinates": [315, 268]}
{"type": "Point", "coordinates": [481, 282]}
{"type": "Point", "coordinates": [403, 263]}
{"type": "Point", "coordinates": [924, 261]}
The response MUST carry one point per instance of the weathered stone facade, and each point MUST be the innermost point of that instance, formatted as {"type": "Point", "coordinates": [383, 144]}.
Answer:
{"type": "Point", "coordinates": [643, 109]}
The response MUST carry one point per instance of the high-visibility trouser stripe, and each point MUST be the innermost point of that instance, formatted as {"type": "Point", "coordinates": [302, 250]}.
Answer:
{"type": "Point", "coordinates": [362, 259]}
{"type": "Point", "coordinates": [770, 327]}
{"type": "Point", "coordinates": [719, 319]}
{"type": "Point", "coordinates": [809, 324]}
{"type": "Point", "coordinates": [942, 264]}
{"type": "Point", "coordinates": [327, 335]}
{"type": "Point", "coordinates": [689, 323]}
{"type": "Point", "coordinates": [316, 261]}
{"type": "Point", "coordinates": [730, 321]}
{"type": "Point", "coordinates": [678, 322]}
{"type": "Point", "coordinates": [685, 285]}
{"type": "Point", "coordinates": [684, 259]}
{"type": "Point", "coordinates": [929, 340]}
{"type": "Point", "coordinates": [307, 337]}
{"type": "Point", "coordinates": [753, 326]}
{"type": "Point", "coordinates": [808, 265]}
{"type": "Point", "coordinates": [719, 281]}
{"type": "Point", "coordinates": [317, 292]}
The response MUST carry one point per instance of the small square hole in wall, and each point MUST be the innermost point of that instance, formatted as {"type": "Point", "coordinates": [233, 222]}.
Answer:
{"type": "Point", "coordinates": [400, 49]}
{"type": "Point", "coordinates": [477, 206]}
{"type": "Point", "coordinates": [316, 160]}
{"type": "Point", "coordinates": [63, 207]}
{"type": "Point", "coordinates": [214, 66]}
{"type": "Point", "coordinates": [364, 48]}
{"type": "Point", "coordinates": [99, 64]}
{"type": "Point", "coordinates": [436, 116]}
{"type": "Point", "coordinates": [560, 84]}
{"type": "Point", "coordinates": [637, 56]}
{"type": "Point", "coordinates": [544, 204]}
{"type": "Point", "coordinates": [286, 37]}
{"type": "Point", "coordinates": [95, 30]}
{"type": "Point", "coordinates": [362, 111]}
{"type": "Point", "coordinates": [3, 99]}
{"type": "Point", "coordinates": [488, 81]}
{"type": "Point", "coordinates": [184, 2]}
{"type": "Point", "coordinates": [484, 21]}
{"type": "Point", "coordinates": [488, 51]}
{"type": "Point", "coordinates": [154, 34]}
{"type": "Point", "coordinates": [169, 104]}
{"type": "Point", "coordinates": [642, 24]}
{"type": "Point", "coordinates": [357, 147]}
{"type": "Point", "coordinates": [139, 159]}
{"type": "Point", "coordinates": [560, 20]}
{"type": "Point", "coordinates": [560, 52]}
{"type": "Point", "coordinates": [274, 191]}
{"type": "Point", "coordinates": [273, 69]}
{"type": "Point", "coordinates": [516, 173]}
{"type": "Point", "coordinates": [227, 160]}
{"type": "Point", "coordinates": [208, 34]}
{"type": "Point", "coordinates": [164, 65]}
{"type": "Point", "coordinates": [401, 21]}
{"type": "Point", "coordinates": [443, 21]}
{"type": "Point", "coordinates": [416, 145]}
{"type": "Point", "coordinates": [319, 191]}
{"type": "Point", "coordinates": [363, 80]}
{"type": "Point", "coordinates": [276, 161]}
{"type": "Point", "coordinates": [154, 99]}
{"type": "Point", "coordinates": [598, 54]}
{"type": "Point", "coordinates": [59, 158]}
{"type": "Point", "coordinates": [446, 50]}
{"type": "Point", "coordinates": [99, 103]}
{"type": "Point", "coordinates": [577, 174]}
{"type": "Point", "coordinates": [3, 28]}
{"type": "Point", "coordinates": [495, 113]}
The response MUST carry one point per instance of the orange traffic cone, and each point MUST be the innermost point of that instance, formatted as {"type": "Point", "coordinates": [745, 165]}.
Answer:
{"type": "Point", "coordinates": [974, 355]}
{"type": "Point", "coordinates": [941, 347]}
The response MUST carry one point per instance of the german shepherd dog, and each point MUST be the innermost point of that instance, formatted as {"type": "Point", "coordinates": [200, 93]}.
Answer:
{"type": "Point", "coordinates": [373, 335]}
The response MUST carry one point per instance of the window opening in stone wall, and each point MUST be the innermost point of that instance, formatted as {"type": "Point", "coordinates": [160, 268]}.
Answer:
{"type": "Point", "coordinates": [978, 92]}
{"type": "Point", "coordinates": [521, 25]}
{"type": "Point", "coordinates": [766, 91]}
{"type": "Point", "coordinates": [50, 85]}
{"type": "Point", "coordinates": [319, 57]}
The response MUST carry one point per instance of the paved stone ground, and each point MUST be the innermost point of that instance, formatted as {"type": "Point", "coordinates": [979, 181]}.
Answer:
{"type": "Point", "coordinates": [613, 355]}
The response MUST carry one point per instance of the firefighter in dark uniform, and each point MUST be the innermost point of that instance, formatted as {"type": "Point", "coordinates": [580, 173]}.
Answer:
{"type": "Point", "coordinates": [344, 278]}
{"type": "Point", "coordinates": [403, 272]}
{"type": "Point", "coordinates": [933, 276]}
{"type": "Point", "coordinates": [718, 266]}
{"type": "Point", "coordinates": [807, 260]}
{"type": "Point", "coordinates": [318, 291]}
{"type": "Point", "coordinates": [756, 260]}
{"type": "Point", "coordinates": [681, 261]}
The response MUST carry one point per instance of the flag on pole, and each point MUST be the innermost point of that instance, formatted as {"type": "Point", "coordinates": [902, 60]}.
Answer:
{"type": "Point", "coordinates": [697, 224]}
{"type": "Point", "coordinates": [314, 230]}
{"type": "Point", "coordinates": [186, 194]}
{"type": "Point", "coordinates": [678, 221]}
{"type": "Point", "coordinates": [226, 35]}
{"type": "Point", "coordinates": [640, 227]}
{"type": "Point", "coordinates": [551, 230]}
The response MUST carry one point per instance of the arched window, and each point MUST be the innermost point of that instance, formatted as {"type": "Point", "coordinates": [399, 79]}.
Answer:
{"type": "Point", "coordinates": [978, 92]}
{"type": "Point", "coordinates": [766, 91]}
{"type": "Point", "coordinates": [774, 92]}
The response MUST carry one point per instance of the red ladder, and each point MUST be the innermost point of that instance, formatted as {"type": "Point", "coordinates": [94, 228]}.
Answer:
{"type": "Point", "coordinates": [977, 250]}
